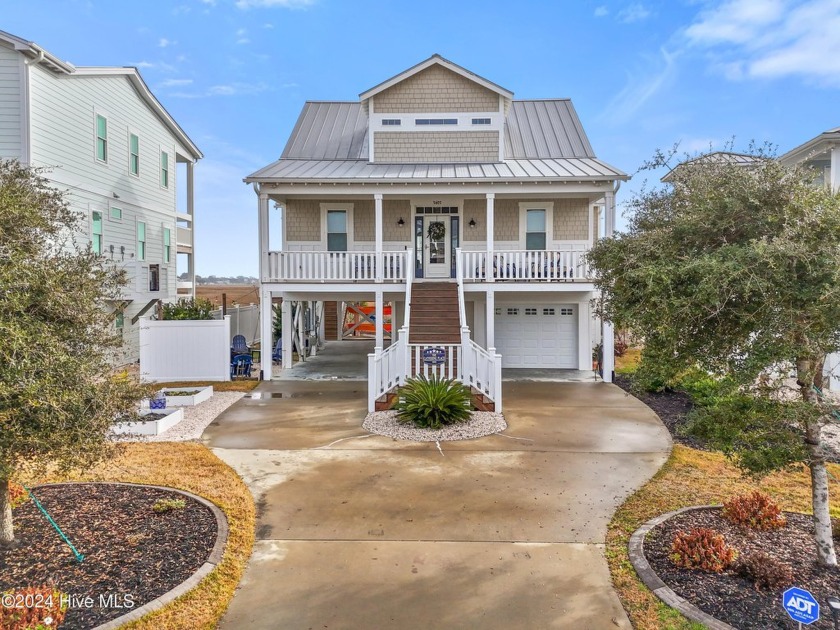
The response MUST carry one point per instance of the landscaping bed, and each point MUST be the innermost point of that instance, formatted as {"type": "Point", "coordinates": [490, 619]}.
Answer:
{"type": "Point", "coordinates": [155, 422]}
{"type": "Point", "coordinates": [671, 407]}
{"type": "Point", "coordinates": [132, 554]}
{"type": "Point", "coordinates": [730, 597]}
{"type": "Point", "coordinates": [187, 396]}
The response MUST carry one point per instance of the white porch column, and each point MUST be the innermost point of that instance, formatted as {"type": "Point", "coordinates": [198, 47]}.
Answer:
{"type": "Point", "coordinates": [488, 267]}
{"type": "Point", "coordinates": [263, 239]}
{"type": "Point", "coordinates": [609, 214]}
{"type": "Point", "coordinates": [377, 211]}
{"type": "Point", "coordinates": [286, 318]}
{"type": "Point", "coordinates": [266, 338]}
{"type": "Point", "coordinates": [835, 169]}
{"type": "Point", "coordinates": [191, 212]}
{"type": "Point", "coordinates": [490, 312]}
{"type": "Point", "coordinates": [301, 330]}
{"type": "Point", "coordinates": [380, 320]}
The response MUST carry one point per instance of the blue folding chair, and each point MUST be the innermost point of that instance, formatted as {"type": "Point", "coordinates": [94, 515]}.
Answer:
{"type": "Point", "coordinates": [240, 365]}
{"type": "Point", "coordinates": [276, 354]}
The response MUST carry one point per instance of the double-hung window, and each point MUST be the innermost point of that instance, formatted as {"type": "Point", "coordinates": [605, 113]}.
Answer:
{"type": "Point", "coordinates": [164, 169]}
{"type": "Point", "coordinates": [337, 230]}
{"type": "Point", "coordinates": [134, 154]}
{"type": "Point", "coordinates": [167, 244]}
{"type": "Point", "coordinates": [101, 138]}
{"type": "Point", "coordinates": [141, 240]}
{"type": "Point", "coordinates": [96, 233]}
{"type": "Point", "coordinates": [535, 229]}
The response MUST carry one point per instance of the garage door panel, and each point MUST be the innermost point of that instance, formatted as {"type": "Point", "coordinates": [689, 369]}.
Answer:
{"type": "Point", "coordinates": [543, 335]}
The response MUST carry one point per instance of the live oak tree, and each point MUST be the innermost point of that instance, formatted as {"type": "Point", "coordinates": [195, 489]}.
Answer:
{"type": "Point", "coordinates": [59, 393]}
{"type": "Point", "coordinates": [732, 271]}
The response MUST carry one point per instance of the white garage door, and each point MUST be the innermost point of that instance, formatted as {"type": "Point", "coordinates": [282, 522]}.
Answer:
{"type": "Point", "coordinates": [541, 335]}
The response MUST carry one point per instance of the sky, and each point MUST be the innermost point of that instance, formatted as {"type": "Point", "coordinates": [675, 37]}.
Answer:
{"type": "Point", "coordinates": [643, 75]}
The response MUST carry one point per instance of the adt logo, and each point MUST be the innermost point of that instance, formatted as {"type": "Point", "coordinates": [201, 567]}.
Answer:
{"type": "Point", "coordinates": [801, 605]}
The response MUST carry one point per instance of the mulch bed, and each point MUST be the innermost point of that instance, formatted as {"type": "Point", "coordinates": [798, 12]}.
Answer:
{"type": "Point", "coordinates": [732, 598]}
{"type": "Point", "coordinates": [672, 408]}
{"type": "Point", "coordinates": [129, 551]}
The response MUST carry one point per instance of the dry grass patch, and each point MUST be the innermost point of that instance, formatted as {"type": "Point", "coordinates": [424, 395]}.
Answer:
{"type": "Point", "coordinates": [243, 385]}
{"type": "Point", "coordinates": [194, 468]}
{"type": "Point", "coordinates": [690, 477]}
{"type": "Point", "coordinates": [629, 361]}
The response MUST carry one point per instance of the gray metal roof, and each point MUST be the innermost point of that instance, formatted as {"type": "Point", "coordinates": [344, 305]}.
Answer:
{"type": "Point", "coordinates": [545, 129]}
{"type": "Point", "coordinates": [533, 130]}
{"type": "Point", "coordinates": [348, 171]}
{"type": "Point", "coordinates": [329, 131]}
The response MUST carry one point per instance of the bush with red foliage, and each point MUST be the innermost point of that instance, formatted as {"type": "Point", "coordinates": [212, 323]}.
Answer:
{"type": "Point", "coordinates": [702, 548]}
{"type": "Point", "coordinates": [755, 510]}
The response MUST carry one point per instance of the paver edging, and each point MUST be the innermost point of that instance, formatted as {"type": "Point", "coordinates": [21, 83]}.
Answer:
{"type": "Point", "coordinates": [636, 549]}
{"type": "Point", "coordinates": [213, 559]}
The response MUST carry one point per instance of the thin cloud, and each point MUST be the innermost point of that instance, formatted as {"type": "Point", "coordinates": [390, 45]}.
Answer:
{"type": "Point", "coordinates": [226, 89]}
{"type": "Point", "coordinates": [274, 4]}
{"type": "Point", "coordinates": [601, 11]}
{"type": "Point", "coordinates": [635, 12]}
{"type": "Point", "coordinates": [772, 39]}
{"type": "Point", "coordinates": [641, 89]}
{"type": "Point", "coordinates": [175, 83]}
{"type": "Point", "coordinates": [155, 65]}
{"type": "Point", "coordinates": [242, 36]}
{"type": "Point", "coordinates": [268, 25]}
{"type": "Point", "coordinates": [164, 43]}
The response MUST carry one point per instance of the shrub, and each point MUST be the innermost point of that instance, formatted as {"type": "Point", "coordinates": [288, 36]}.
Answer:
{"type": "Point", "coordinates": [32, 608]}
{"type": "Point", "coordinates": [765, 571]}
{"type": "Point", "coordinates": [702, 548]}
{"type": "Point", "coordinates": [17, 495]}
{"type": "Point", "coordinates": [705, 390]}
{"type": "Point", "coordinates": [432, 403]}
{"type": "Point", "coordinates": [755, 510]}
{"type": "Point", "coordinates": [188, 308]}
{"type": "Point", "coordinates": [167, 505]}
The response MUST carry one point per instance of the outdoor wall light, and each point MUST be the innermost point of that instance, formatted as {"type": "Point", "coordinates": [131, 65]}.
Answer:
{"type": "Point", "coordinates": [116, 196]}
{"type": "Point", "coordinates": [401, 222]}
{"type": "Point", "coordinates": [834, 604]}
{"type": "Point", "coordinates": [472, 223]}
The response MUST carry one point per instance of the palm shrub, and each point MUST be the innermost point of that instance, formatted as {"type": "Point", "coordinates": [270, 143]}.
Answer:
{"type": "Point", "coordinates": [431, 403]}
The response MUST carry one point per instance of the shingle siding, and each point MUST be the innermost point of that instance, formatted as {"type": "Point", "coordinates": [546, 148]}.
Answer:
{"type": "Point", "coordinates": [363, 221]}
{"type": "Point", "coordinates": [436, 146]}
{"type": "Point", "coordinates": [571, 219]}
{"type": "Point", "coordinates": [436, 89]}
{"type": "Point", "coordinates": [303, 220]}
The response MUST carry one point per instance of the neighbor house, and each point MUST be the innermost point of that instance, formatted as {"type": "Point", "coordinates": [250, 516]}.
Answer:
{"type": "Point", "coordinates": [460, 212]}
{"type": "Point", "coordinates": [116, 152]}
{"type": "Point", "coordinates": [823, 155]}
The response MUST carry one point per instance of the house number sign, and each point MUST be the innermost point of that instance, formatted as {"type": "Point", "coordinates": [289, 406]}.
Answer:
{"type": "Point", "coordinates": [434, 356]}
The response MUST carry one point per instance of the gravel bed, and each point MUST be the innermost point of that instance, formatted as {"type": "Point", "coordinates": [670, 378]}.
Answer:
{"type": "Point", "coordinates": [482, 423]}
{"type": "Point", "coordinates": [195, 420]}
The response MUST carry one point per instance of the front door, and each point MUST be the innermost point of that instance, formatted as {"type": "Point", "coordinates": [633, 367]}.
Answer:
{"type": "Point", "coordinates": [436, 255]}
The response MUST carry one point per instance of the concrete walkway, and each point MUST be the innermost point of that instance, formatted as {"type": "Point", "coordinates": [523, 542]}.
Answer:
{"type": "Point", "coordinates": [357, 531]}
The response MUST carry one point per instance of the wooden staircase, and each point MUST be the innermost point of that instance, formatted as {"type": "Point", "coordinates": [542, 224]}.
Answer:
{"type": "Point", "coordinates": [434, 314]}
{"type": "Point", "coordinates": [331, 329]}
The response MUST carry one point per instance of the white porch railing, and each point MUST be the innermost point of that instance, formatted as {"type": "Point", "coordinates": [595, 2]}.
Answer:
{"type": "Point", "coordinates": [386, 370]}
{"type": "Point", "coordinates": [336, 266]}
{"type": "Point", "coordinates": [525, 265]}
{"type": "Point", "coordinates": [483, 371]}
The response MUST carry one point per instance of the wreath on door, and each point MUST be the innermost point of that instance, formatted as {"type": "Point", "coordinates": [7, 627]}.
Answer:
{"type": "Point", "coordinates": [437, 230]}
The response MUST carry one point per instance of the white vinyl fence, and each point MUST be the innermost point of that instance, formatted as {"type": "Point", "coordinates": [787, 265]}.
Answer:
{"type": "Point", "coordinates": [185, 350]}
{"type": "Point", "coordinates": [244, 320]}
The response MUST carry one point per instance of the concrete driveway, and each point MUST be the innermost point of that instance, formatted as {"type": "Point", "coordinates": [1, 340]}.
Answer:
{"type": "Point", "coordinates": [358, 531]}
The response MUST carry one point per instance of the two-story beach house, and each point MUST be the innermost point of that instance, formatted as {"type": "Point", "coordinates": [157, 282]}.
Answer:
{"type": "Point", "coordinates": [462, 212]}
{"type": "Point", "coordinates": [116, 152]}
{"type": "Point", "coordinates": [822, 153]}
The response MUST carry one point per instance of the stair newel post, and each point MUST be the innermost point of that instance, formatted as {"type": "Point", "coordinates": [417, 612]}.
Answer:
{"type": "Point", "coordinates": [465, 367]}
{"type": "Point", "coordinates": [407, 352]}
